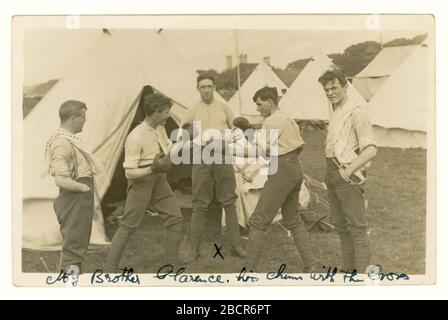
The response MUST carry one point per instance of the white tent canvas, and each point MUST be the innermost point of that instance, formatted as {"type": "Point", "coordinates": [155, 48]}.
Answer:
{"type": "Point", "coordinates": [109, 79]}
{"type": "Point", "coordinates": [262, 76]}
{"type": "Point", "coordinates": [399, 110]}
{"type": "Point", "coordinates": [306, 99]}
{"type": "Point", "coordinates": [370, 79]}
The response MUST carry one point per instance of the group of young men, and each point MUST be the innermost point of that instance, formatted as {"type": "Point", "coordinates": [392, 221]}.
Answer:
{"type": "Point", "coordinates": [350, 145]}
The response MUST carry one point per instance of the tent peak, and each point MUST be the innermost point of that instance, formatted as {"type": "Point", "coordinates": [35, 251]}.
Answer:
{"type": "Point", "coordinates": [106, 31]}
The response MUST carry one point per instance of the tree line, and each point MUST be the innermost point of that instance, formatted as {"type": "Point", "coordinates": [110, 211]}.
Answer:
{"type": "Point", "coordinates": [354, 58]}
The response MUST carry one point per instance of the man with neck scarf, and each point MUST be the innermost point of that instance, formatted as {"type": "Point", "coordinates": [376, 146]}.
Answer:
{"type": "Point", "coordinates": [73, 168]}
{"type": "Point", "coordinates": [349, 147]}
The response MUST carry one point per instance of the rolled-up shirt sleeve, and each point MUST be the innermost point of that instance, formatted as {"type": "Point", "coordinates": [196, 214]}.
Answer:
{"type": "Point", "coordinates": [133, 152]}
{"type": "Point", "coordinates": [363, 130]}
{"type": "Point", "coordinates": [61, 163]}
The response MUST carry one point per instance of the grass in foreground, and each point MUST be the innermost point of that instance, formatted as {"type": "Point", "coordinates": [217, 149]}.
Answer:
{"type": "Point", "coordinates": [396, 193]}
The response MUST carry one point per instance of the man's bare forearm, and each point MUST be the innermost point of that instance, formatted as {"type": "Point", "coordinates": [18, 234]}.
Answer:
{"type": "Point", "coordinates": [137, 172]}
{"type": "Point", "coordinates": [364, 157]}
{"type": "Point", "coordinates": [69, 184]}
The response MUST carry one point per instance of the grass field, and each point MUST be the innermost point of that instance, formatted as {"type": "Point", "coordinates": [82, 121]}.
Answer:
{"type": "Point", "coordinates": [396, 193]}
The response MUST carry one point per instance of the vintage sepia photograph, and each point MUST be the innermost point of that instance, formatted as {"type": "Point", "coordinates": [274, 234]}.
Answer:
{"type": "Point", "coordinates": [223, 150]}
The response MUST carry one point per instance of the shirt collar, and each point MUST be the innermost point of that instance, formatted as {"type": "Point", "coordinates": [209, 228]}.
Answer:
{"type": "Point", "coordinates": [208, 105]}
{"type": "Point", "coordinates": [67, 133]}
{"type": "Point", "coordinates": [348, 105]}
{"type": "Point", "coordinates": [149, 127]}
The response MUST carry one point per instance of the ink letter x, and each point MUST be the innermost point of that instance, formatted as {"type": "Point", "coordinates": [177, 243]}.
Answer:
{"type": "Point", "coordinates": [218, 251]}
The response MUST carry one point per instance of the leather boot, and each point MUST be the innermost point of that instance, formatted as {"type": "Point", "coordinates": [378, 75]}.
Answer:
{"type": "Point", "coordinates": [361, 245]}
{"type": "Point", "coordinates": [347, 251]}
{"type": "Point", "coordinates": [173, 239]}
{"type": "Point", "coordinates": [233, 232]}
{"type": "Point", "coordinates": [254, 248]}
{"type": "Point", "coordinates": [196, 230]}
{"type": "Point", "coordinates": [305, 248]}
{"type": "Point", "coordinates": [117, 247]}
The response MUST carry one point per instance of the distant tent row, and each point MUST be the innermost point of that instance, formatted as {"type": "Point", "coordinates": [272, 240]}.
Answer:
{"type": "Point", "coordinates": [400, 108]}
{"type": "Point", "coordinates": [370, 79]}
{"type": "Point", "coordinates": [304, 99]}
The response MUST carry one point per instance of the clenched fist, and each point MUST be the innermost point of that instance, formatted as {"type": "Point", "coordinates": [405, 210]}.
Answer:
{"type": "Point", "coordinates": [161, 163]}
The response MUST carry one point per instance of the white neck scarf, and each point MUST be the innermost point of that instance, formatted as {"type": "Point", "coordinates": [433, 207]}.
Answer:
{"type": "Point", "coordinates": [95, 165]}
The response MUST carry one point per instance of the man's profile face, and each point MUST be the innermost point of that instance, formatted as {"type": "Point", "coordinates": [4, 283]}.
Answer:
{"type": "Point", "coordinates": [206, 88]}
{"type": "Point", "coordinates": [160, 116]}
{"type": "Point", "coordinates": [264, 107]}
{"type": "Point", "coordinates": [78, 121]}
{"type": "Point", "coordinates": [334, 91]}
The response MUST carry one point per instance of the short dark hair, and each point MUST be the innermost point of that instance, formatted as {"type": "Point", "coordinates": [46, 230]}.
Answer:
{"type": "Point", "coordinates": [205, 76]}
{"type": "Point", "coordinates": [155, 102]}
{"type": "Point", "coordinates": [267, 93]}
{"type": "Point", "coordinates": [331, 75]}
{"type": "Point", "coordinates": [71, 108]}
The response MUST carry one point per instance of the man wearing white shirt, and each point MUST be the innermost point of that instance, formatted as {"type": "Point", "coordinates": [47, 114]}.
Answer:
{"type": "Point", "coordinates": [281, 191]}
{"type": "Point", "coordinates": [349, 146]}
{"type": "Point", "coordinates": [212, 180]}
{"type": "Point", "coordinates": [147, 150]}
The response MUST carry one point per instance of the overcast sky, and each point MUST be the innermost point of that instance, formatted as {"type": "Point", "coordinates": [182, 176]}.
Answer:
{"type": "Point", "coordinates": [47, 53]}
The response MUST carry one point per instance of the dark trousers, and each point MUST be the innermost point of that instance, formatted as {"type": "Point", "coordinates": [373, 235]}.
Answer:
{"type": "Point", "coordinates": [281, 191]}
{"type": "Point", "coordinates": [74, 211]}
{"type": "Point", "coordinates": [155, 192]}
{"type": "Point", "coordinates": [213, 181]}
{"type": "Point", "coordinates": [151, 191]}
{"type": "Point", "coordinates": [347, 207]}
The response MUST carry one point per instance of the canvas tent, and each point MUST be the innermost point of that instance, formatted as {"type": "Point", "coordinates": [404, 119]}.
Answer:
{"type": "Point", "coordinates": [261, 76]}
{"type": "Point", "coordinates": [399, 110]}
{"type": "Point", "coordinates": [370, 79]}
{"type": "Point", "coordinates": [306, 99]}
{"type": "Point", "coordinates": [109, 78]}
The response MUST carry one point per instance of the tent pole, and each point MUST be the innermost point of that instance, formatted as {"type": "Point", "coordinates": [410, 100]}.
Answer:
{"type": "Point", "coordinates": [238, 71]}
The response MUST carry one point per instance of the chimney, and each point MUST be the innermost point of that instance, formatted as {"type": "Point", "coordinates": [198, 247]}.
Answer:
{"type": "Point", "coordinates": [228, 62]}
{"type": "Point", "coordinates": [243, 58]}
{"type": "Point", "coordinates": [267, 60]}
